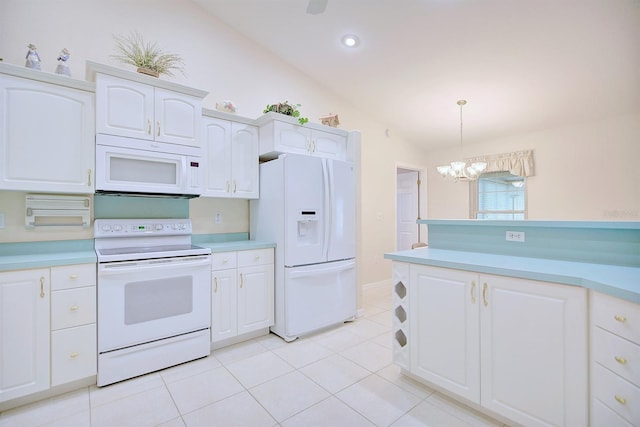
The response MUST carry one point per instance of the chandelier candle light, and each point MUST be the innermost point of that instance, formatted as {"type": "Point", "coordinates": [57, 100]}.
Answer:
{"type": "Point", "coordinates": [460, 171]}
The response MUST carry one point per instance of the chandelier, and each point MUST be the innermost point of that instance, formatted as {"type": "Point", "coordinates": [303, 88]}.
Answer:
{"type": "Point", "coordinates": [460, 170]}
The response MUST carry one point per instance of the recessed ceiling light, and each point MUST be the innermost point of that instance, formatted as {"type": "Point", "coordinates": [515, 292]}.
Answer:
{"type": "Point", "coordinates": [350, 40]}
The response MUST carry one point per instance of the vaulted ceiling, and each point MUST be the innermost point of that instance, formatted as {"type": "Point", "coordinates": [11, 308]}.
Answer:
{"type": "Point", "coordinates": [522, 65]}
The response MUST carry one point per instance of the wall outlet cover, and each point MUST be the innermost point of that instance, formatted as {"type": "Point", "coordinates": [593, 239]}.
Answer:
{"type": "Point", "coordinates": [515, 236]}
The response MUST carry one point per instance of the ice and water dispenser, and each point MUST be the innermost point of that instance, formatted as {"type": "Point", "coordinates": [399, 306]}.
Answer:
{"type": "Point", "coordinates": [308, 227]}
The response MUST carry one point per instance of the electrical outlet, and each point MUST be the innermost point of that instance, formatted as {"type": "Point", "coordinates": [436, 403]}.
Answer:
{"type": "Point", "coordinates": [515, 236]}
{"type": "Point", "coordinates": [217, 219]}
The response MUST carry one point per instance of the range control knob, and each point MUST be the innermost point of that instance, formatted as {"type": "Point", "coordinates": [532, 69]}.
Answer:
{"type": "Point", "coordinates": [106, 227]}
{"type": "Point", "coordinates": [158, 227]}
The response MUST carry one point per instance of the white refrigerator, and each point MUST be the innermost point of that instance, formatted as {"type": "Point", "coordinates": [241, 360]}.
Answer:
{"type": "Point", "coordinates": [307, 206]}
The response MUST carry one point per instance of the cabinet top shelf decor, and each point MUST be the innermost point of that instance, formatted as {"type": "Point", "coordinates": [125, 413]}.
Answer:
{"type": "Point", "coordinates": [271, 116]}
{"type": "Point", "coordinates": [94, 68]}
{"type": "Point", "coordinates": [43, 76]}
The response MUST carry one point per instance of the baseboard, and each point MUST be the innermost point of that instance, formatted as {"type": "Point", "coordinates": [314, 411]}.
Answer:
{"type": "Point", "coordinates": [379, 284]}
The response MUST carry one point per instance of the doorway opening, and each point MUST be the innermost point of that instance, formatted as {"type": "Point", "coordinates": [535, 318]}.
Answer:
{"type": "Point", "coordinates": [410, 206]}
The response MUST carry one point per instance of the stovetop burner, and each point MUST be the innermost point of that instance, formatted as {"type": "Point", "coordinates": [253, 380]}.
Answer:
{"type": "Point", "coordinates": [138, 239]}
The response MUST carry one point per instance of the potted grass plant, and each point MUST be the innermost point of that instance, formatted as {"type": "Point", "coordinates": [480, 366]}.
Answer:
{"type": "Point", "coordinates": [147, 57]}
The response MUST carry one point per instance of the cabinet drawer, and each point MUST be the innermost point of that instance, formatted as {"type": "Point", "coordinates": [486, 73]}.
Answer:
{"type": "Point", "coordinates": [601, 415]}
{"type": "Point", "coordinates": [618, 316]}
{"type": "Point", "coordinates": [255, 257]}
{"type": "Point", "coordinates": [73, 307]}
{"type": "Point", "coordinates": [223, 260]}
{"type": "Point", "coordinates": [73, 276]}
{"type": "Point", "coordinates": [618, 394]}
{"type": "Point", "coordinates": [617, 354]}
{"type": "Point", "coordinates": [73, 354]}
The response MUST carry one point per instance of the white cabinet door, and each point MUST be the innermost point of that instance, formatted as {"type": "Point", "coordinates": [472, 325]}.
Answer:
{"type": "Point", "coordinates": [445, 333]}
{"type": "Point", "coordinates": [46, 137]}
{"type": "Point", "coordinates": [255, 298]}
{"type": "Point", "coordinates": [231, 151]}
{"type": "Point", "coordinates": [177, 118]}
{"type": "Point", "coordinates": [291, 138]}
{"type": "Point", "coordinates": [534, 334]}
{"type": "Point", "coordinates": [244, 161]}
{"type": "Point", "coordinates": [217, 149]}
{"type": "Point", "coordinates": [73, 354]}
{"type": "Point", "coordinates": [330, 145]}
{"type": "Point", "coordinates": [136, 110]}
{"type": "Point", "coordinates": [224, 313]}
{"type": "Point", "coordinates": [124, 108]}
{"type": "Point", "coordinates": [24, 332]}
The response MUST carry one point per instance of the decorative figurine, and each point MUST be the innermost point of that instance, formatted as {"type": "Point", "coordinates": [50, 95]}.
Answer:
{"type": "Point", "coordinates": [330, 120]}
{"type": "Point", "coordinates": [62, 67]}
{"type": "Point", "coordinates": [33, 59]}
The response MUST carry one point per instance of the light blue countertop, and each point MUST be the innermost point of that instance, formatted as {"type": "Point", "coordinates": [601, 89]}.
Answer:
{"type": "Point", "coordinates": [44, 260]}
{"type": "Point", "coordinates": [238, 245]}
{"type": "Point", "coordinates": [25, 255]}
{"type": "Point", "coordinates": [22, 256]}
{"type": "Point", "coordinates": [618, 281]}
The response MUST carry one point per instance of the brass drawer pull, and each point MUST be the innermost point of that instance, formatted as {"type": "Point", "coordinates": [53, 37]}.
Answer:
{"type": "Point", "coordinates": [484, 294]}
{"type": "Point", "coordinates": [74, 308]}
{"type": "Point", "coordinates": [41, 286]}
{"type": "Point", "coordinates": [620, 318]}
{"type": "Point", "coordinates": [621, 360]}
{"type": "Point", "coordinates": [473, 292]}
{"type": "Point", "coordinates": [621, 400]}
{"type": "Point", "coordinates": [74, 355]}
{"type": "Point", "coordinates": [215, 284]}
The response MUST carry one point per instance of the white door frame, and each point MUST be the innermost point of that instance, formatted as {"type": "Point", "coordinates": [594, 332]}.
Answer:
{"type": "Point", "coordinates": [422, 195]}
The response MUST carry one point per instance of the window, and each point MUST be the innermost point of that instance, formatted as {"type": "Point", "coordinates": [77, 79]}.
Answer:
{"type": "Point", "coordinates": [499, 195]}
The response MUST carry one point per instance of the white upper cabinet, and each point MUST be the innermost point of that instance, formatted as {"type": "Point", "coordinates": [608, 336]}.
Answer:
{"type": "Point", "coordinates": [231, 152]}
{"type": "Point", "coordinates": [46, 133]}
{"type": "Point", "coordinates": [281, 134]}
{"type": "Point", "coordinates": [137, 110]}
{"type": "Point", "coordinates": [137, 106]}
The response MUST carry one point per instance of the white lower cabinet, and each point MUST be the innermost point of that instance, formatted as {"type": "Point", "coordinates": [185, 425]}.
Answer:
{"type": "Point", "coordinates": [73, 323]}
{"type": "Point", "coordinates": [242, 293]}
{"type": "Point", "coordinates": [615, 361]}
{"type": "Point", "coordinates": [47, 328]}
{"type": "Point", "coordinates": [24, 332]}
{"type": "Point", "coordinates": [515, 347]}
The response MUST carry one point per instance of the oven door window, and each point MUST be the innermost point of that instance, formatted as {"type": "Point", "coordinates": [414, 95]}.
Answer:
{"type": "Point", "coordinates": [149, 300]}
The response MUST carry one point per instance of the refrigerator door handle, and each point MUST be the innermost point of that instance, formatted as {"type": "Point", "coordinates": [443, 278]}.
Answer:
{"type": "Point", "coordinates": [328, 208]}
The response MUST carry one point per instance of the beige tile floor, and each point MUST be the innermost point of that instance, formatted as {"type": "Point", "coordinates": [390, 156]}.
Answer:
{"type": "Point", "coordinates": [341, 377]}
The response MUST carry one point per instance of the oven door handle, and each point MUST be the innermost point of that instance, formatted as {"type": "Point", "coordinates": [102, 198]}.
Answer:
{"type": "Point", "coordinates": [155, 264]}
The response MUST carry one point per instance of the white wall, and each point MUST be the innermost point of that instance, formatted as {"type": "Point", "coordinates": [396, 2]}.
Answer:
{"type": "Point", "coordinates": [586, 171]}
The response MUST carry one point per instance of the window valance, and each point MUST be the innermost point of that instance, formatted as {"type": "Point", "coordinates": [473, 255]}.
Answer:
{"type": "Point", "coordinates": [517, 163]}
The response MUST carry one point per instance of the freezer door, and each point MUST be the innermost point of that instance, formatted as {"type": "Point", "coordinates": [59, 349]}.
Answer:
{"type": "Point", "coordinates": [342, 219]}
{"type": "Point", "coordinates": [319, 295]}
{"type": "Point", "coordinates": [304, 214]}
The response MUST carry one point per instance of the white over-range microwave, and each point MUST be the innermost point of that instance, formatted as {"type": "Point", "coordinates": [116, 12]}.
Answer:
{"type": "Point", "coordinates": [139, 167]}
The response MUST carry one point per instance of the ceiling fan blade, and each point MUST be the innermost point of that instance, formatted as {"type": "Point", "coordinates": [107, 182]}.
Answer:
{"type": "Point", "coordinates": [316, 7]}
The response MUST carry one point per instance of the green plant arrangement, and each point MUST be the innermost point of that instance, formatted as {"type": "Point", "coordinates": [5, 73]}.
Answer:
{"type": "Point", "coordinates": [148, 57]}
{"type": "Point", "coordinates": [286, 109]}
